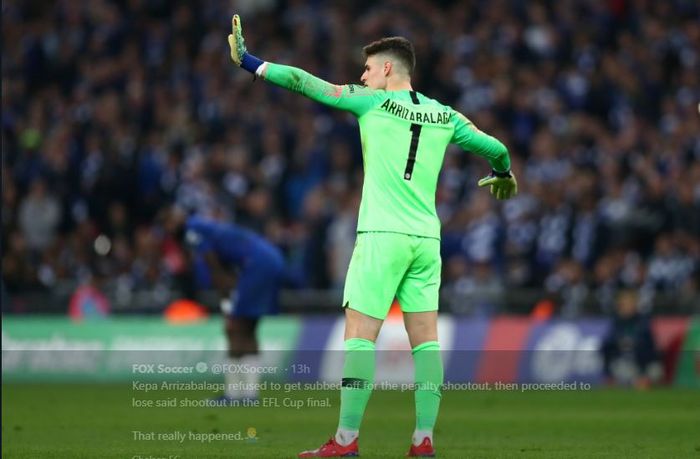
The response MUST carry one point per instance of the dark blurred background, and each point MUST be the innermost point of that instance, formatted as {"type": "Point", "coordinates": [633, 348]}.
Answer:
{"type": "Point", "coordinates": [113, 110]}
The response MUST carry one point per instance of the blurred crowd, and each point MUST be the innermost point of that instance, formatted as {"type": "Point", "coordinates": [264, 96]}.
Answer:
{"type": "Point", "coordinates": [112, 110]}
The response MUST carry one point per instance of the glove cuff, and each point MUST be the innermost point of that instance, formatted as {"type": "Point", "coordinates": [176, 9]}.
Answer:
{"type": "Point", "coordinates": [505, 174]}
{"type": "Point", "coordinates": [250, 62]}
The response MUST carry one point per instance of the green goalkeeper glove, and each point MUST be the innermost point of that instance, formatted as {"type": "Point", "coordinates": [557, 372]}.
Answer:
{"type": "Point", "coordinates": [239, 54]}
{"type": "Point", "coordinates": [235, 40]}
{"type": "Point", "coordinates": [503, 184]}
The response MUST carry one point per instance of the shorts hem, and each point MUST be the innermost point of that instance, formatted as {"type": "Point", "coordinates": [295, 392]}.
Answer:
{"type": "Point", "coordinates": [346, 305]}
{"type": "Point", "coordinates": [420, 310]}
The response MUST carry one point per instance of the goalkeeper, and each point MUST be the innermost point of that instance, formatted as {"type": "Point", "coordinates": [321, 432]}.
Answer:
{"type": "Point", "coordinates": [404, 135]}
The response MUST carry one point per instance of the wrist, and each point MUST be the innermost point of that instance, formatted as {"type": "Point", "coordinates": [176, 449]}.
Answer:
{"type": "Point", "coordinates": [250, 62]}
{"type": "Point", "coordinates": [498, 174]}
{"type": "Point", "coordinates": [226, 305]}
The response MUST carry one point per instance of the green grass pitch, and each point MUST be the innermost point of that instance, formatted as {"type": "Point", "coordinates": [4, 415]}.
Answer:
{"type": "Point", "coordinates": [99, 421]}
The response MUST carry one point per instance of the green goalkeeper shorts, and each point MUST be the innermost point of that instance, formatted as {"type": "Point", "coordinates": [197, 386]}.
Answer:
{"type": "Point", "coordinates": [386, 265]}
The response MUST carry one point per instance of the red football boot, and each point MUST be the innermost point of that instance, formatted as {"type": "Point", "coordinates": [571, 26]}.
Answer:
{"type": "Point", "coordinates": [425, 449]}
{"type": "Point", "coordinates": [333, 449]}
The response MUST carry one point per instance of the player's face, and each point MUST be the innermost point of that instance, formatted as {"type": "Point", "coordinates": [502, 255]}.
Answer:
{"type": "Point", "coordinates": [375, 73]}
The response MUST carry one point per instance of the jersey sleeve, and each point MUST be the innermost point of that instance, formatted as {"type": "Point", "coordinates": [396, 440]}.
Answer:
{"type": "Point", "coordinates": [349, 97]}
{"type": "Point", "coordinates": [196, 236]}
{"type": "Point", "coordinates": [470, 138]}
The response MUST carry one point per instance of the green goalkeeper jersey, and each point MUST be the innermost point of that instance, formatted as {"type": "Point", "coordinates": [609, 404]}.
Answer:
{"type": "Point", "coordinates": [404, 136]}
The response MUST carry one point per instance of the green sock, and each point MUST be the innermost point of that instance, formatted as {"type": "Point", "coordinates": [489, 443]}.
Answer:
{"type": "Point", "coordinates": [358, 379]}
{"type": "Point", "coordinates": [429, 378]}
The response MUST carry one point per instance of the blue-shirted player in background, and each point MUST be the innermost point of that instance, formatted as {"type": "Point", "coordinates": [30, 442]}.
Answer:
{"type": "Point", "coordinates": [248, 272]}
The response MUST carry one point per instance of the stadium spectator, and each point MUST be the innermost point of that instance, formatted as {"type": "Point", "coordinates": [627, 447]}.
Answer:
{"type": "Point", "coordinates": [122, 108]}
{"type": "Point", "coordinates": [39, 216]}
{"type": "Point", "coordinates": [629, 352]}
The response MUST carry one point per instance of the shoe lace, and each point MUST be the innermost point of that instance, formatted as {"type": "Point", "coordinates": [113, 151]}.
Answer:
{"type": "Point", "coordinates": [330, 442]}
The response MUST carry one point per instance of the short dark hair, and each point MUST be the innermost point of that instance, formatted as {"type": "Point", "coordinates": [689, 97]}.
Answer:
{"type": "Point", "coordinates": [398, 47]}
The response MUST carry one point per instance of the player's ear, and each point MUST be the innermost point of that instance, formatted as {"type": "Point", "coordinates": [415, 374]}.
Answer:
{"type": "Point", "coordinates": [387, 68]}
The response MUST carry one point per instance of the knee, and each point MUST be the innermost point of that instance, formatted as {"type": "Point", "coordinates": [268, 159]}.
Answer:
{"type": "Point", "coordinates": [241, 333]}
{"type": "Point", "coordinates": [358, 325]}
{"type": "Point", "coordinates": [418, 335]}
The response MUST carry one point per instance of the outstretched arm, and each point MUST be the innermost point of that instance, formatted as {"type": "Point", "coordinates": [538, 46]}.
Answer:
{"type": "Point", "coordinates": [356, 99]}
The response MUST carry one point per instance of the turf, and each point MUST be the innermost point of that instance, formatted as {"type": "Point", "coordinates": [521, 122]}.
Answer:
{"type": "Point", "coordinates": [98, 421]}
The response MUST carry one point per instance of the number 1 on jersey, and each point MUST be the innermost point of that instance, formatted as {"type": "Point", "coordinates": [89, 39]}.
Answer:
{"type": "Point", "coordinates": [415, 133]}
